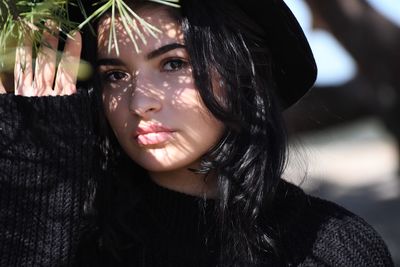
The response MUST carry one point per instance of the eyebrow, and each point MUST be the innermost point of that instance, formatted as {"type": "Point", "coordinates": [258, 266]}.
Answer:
{"type": "Point", "coordinates": [153, 54]}
{"type": "Point", "coordinates": [164, 49]}
{"type": "Point", "coordinates": [109, 62]}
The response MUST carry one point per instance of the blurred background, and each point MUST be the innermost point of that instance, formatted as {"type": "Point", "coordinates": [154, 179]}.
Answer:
{"type": "Point", "coordinates": [345, 133]}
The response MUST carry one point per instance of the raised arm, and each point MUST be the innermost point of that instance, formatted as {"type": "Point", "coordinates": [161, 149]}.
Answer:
{"type": "Point", "coordinates": [47, 158]}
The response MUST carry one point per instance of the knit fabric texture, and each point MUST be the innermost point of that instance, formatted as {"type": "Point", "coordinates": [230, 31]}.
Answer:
{"type": "Point", "coordinates": [175, 229]}
{"type": "Point", "coordinates": [46, 150]}
{"type": "Point", "coordinates": [48, 159]}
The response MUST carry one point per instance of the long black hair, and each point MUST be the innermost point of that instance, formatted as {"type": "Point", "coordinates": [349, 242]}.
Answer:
{"type": "Point", "coordinates": [250, 157]}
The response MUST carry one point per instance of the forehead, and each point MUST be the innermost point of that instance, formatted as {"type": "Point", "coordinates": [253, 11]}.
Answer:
{"type": "Point", "coordinates": [164, 19]}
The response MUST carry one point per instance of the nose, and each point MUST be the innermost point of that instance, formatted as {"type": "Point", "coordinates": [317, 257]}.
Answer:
{"type": "Point", "coordinates": [145, 99]}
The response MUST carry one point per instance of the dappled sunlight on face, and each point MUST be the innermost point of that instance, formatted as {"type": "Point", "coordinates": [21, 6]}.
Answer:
{"type": "Point", "coordinates": [144, 38]}
{"type": "Point", "coordinates": [150, 98]}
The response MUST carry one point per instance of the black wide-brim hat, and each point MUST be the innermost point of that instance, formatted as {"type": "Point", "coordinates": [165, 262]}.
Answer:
{"type": "Point", "coordinates": [294, 67]}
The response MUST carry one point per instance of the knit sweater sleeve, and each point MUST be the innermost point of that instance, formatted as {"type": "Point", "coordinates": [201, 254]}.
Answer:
{"type": "Point", "coordinates": [344, 239]}
{"type": "Point", "coordinates": [46, 162]}
{"type": "Point", "coordinates": [317, 232]}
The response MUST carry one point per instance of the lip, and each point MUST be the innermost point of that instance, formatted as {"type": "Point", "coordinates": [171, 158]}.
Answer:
{"type": "Point", "coordinates": [141, 130]}
{"type": "Point", "coordinates": [152, 135]}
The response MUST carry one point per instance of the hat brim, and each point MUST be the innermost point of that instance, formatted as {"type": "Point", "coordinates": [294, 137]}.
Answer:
{"type": "Point", "coordinates": [294, 66]}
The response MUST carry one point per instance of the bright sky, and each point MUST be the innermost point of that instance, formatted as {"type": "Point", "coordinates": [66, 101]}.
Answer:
{"type": "Point", "coordinates": [334, 63]}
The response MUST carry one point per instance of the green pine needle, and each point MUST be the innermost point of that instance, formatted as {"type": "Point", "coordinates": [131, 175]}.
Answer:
{"type": "Point", "coordinates": [126, 15]}
{"type": "Point", "coordinates": [18, 18]}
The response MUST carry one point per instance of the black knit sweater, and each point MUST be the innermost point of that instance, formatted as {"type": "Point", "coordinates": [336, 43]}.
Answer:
{"type": "Point", "coordinates": [48, 161]}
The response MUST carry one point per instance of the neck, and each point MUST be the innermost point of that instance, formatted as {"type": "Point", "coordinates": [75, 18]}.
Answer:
{"type": "Point", "coordinates": [187, 182]}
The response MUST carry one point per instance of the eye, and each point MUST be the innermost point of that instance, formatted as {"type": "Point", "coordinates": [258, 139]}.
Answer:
{"type": "Point", "coordinates": [174, 64]}
{"type": "Point", "coordinates": [115, 76]}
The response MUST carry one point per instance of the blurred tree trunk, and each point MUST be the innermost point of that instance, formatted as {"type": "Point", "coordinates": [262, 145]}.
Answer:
{"type": "Point", "coordinates": [374, 43]}
{"type": "Point", "coordinates": [331, 105]}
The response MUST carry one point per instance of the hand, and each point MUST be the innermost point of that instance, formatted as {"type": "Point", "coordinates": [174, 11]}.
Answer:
{"type": "Point", "coordinates": [46, 73]}
{"type": "Point", "coordinates": [2, 89]}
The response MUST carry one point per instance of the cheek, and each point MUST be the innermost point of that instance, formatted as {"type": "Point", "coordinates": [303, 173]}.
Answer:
{"type": "Point", "coordinates": [200, 123]}
{"type": "Point", "coordinates": [185, 96]}
{"type": "Point", "coordinates": [115, 111]}
{"type": "Point", "coordinates": [110, 103]}
{"type": "Point", "coordinates": [190, 100]}
{"type": "Point", "coordinates": [115, 97]}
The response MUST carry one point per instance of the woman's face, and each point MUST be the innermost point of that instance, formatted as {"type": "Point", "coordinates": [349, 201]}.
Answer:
{"type": "Point", "coordinates": [149, 96]}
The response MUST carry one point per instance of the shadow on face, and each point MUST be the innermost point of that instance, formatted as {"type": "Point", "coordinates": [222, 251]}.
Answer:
{"type": "Point", "coordinates": [149, 94]}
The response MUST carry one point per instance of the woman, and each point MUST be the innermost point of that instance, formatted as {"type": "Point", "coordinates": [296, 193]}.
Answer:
{"type": "Point", "coordinates": [193, 149]}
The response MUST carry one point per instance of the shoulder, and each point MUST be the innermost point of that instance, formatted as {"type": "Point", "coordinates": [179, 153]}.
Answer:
{"type": "Point", "coordinates": [317, 231]}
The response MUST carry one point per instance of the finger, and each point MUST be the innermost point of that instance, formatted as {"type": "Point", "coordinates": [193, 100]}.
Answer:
{"type": "Point", "coordinates": [69, 65]}
{"type": "Point", "coordinates": [45, 68]}
{"type": "Point", "coordinates": [69, 89]}
{"type": "Point", "coordinates": [2, 89]}
{"type": "Point", "coordinates": [23, 68]}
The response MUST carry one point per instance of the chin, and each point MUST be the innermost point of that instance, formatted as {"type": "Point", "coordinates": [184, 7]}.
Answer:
{"type": "Point", "coordinates": [162, 164]}
{"type": "Point", "coordinates": [160, 167]}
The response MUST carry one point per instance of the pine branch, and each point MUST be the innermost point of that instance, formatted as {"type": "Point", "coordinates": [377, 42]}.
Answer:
{"type": "Point", "coordinates": [20, 19]}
